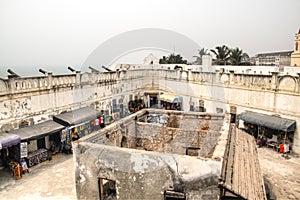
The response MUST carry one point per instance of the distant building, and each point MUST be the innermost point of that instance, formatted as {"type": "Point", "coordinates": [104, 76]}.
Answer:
{"type": "Point", "coordinates": [295, 57]}
{"type": "Point", "coordinates": [282, 58]}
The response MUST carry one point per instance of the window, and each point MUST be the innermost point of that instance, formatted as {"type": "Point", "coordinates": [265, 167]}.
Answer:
{"type": "Point", "coordinates": [107, 189]}
{"type": "Point", "coordinates": [192, 151]}
{"type": "Point", "coordinates": [219, 110]}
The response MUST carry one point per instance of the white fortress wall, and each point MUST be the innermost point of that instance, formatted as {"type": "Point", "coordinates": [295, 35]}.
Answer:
{"type": "Point", "coordinates": [36, 99]}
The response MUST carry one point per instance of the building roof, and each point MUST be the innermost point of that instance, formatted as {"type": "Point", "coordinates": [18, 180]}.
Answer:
{"type": "Point", "coordinates": [279, 53]}
{"type": "Point", "coordinates": [276, 123]}
{"type": "Point", "coordinates": [8, 140]}
{"type": "Point", "coordinates": [76, 116]}
{"type": "Point", "coordinates": [241, 173]}
{"type": "Point", "coordinates": [38, 130]}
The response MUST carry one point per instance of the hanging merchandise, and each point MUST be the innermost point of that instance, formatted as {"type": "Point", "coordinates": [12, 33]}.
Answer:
{"type": "Point", "coordinates": [81, 127]}
{"type": "Point", "coordinates": [68, 138]}
{"type": "Point", "coordinates": [75, 130]}
{"type": "Point", "coordinates": [23, 149]}
{"type": "Point", "coordinates": [64, 134]}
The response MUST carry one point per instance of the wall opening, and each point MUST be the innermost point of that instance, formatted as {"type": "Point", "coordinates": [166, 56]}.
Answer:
{"type": "Point", "coordinates": [41, 144]}
{"type": "Point", "coordinates": [107, 189]}
{"type": "Point", "coordinates": [174, 195]}
{"type": "Point", "coordinates": [192, 151]}
{"type": "Point", "coordinates": [124, 142]}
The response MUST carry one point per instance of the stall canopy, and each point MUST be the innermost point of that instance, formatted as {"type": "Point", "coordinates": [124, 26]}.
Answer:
{"type": "Point", "coordinates": [38, 130]}
{"type": "Point", "coordinates": [76, 116]}
{"type": "Point", "coordinates": [171, 98]}
{"type": "Point", "coordinates": [8, 140]}
{"type": "Point", "coordinates": [271, 122]}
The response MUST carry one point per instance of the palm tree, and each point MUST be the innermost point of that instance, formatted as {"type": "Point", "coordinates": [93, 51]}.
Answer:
{"type": "Point", "coordinates": [172, 59]}
{"type": "Point", "coordinates": [238, 57]}
{"type": "Point", "coordinates": [222, 54]}
{"type": "Point", "coordinates": [201, 53]}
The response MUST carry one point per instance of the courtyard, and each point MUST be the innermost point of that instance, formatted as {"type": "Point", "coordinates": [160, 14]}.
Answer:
{"type": "Point", "coordinates": [55, 179]}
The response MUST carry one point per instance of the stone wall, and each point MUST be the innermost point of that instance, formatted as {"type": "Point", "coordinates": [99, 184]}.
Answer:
{"type": "Point", "coordinates": [199, 131]}
{"type": "Point", "coordinates": [36, 99]}
{"type": "Point", "coordinates": [138, 174]}
{"type": "Point", "coordinates": [143, 175]}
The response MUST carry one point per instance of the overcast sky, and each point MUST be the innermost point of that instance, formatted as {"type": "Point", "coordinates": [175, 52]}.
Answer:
{"type": "Point", "coordinates": [53, 34]}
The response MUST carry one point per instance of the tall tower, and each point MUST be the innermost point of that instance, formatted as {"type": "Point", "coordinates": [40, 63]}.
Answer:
{"type": "Point", "coordinates": [295, 57]}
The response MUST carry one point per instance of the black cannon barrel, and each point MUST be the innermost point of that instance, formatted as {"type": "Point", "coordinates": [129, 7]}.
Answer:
{"type": "Point", "coordinates": [12, 73]}
{"type": "Point", "coordinates": [42, 71]}
{"type": "Point", "coordinates": [93, 69]}
{"type": "Point", "coordinates": [106, 68]}
{"type": "Point", "coordinates": [71, 69]}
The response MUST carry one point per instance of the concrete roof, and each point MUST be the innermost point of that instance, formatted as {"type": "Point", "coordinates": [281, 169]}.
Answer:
{"type": "Point", "coordinates": [76, 116]}
{"type": "Point", "coordinates": [38, 130]}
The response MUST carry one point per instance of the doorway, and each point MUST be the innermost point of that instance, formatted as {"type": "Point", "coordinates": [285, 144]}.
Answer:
{"type": "Point", "coordinates": [41, 143]}
{"type": "Point", "coordinates": [107, 189]}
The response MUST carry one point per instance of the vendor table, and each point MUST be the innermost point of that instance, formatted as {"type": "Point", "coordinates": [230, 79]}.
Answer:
{"type": "Point", "coordinates": [37, 157]}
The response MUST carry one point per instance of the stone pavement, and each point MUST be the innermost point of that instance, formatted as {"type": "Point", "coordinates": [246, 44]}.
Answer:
{"type": "Point", "coordinates": [49, 180]}
{"type": "Point", "coordinates": [55, 179]}
{"type": "Point", "coordinates": [281, 175]}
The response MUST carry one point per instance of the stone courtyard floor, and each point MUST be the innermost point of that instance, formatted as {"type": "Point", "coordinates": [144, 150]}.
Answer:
{"type": "Point", "coordinates": [55, 179]}
{"type": "Point", "coordinates": [281, 175]}
{"type": "Point", "coordinates": [49, 180]}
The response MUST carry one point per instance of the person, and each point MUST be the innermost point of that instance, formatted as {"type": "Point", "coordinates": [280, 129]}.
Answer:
{"type": "Point", "coordinates": [281, 148]}
{"type": "Point", "coordinates": [67, 148]}
{"type": "Point", "coordinates": [24, 166]}
{"type": "Point", "coordinates": [52, 147]}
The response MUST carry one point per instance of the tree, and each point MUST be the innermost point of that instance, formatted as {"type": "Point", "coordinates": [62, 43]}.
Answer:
{"type": "Point", "coordinates": [238, 57]}
{"type": "Point", "coordinates": [172, 59]}
{"type": "Point", "coordinates": [201, 53]}
{"type": "Point", "coordinates": [222, 54]}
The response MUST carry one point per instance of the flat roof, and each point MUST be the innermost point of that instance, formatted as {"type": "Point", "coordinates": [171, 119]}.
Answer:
{"type": "Point", "coordinates": [38, 130]}
{"type": "Point", "coordinates": [272, 122]}
{"type": "Point", "coordinates": [8, 140]}
{"type": "Point", "coordinates": [76, 116]}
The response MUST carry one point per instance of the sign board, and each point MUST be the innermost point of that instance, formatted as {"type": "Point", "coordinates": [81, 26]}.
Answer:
{"type": "Point", "coordinates": [23, 149]}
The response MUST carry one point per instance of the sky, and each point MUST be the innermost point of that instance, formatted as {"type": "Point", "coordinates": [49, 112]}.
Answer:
{"type": "Point", "coordinates": [54, 34]}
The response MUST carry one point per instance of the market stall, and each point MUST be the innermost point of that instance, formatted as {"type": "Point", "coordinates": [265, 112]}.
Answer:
{"type": "Point", "coordinates": [9, 147]}
{"type": "Point", "coordinates": [78, 123]}
{"type": "Point", "coordinates": [38, 142]}
{"type": "Point", "coordinates": [271, 131]}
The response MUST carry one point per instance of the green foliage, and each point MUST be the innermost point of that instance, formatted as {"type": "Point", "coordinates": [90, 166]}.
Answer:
{"type": "Point", "coordinates": [227, 56]}
{"type": "Point", "coordinates": [238, 57]}
{"type": "Point", "coordinates": [222, 54]}
{"type": "Point", "coordinates": [172, 59]}
{"type": "Point", "coordinates": [201, 52]}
